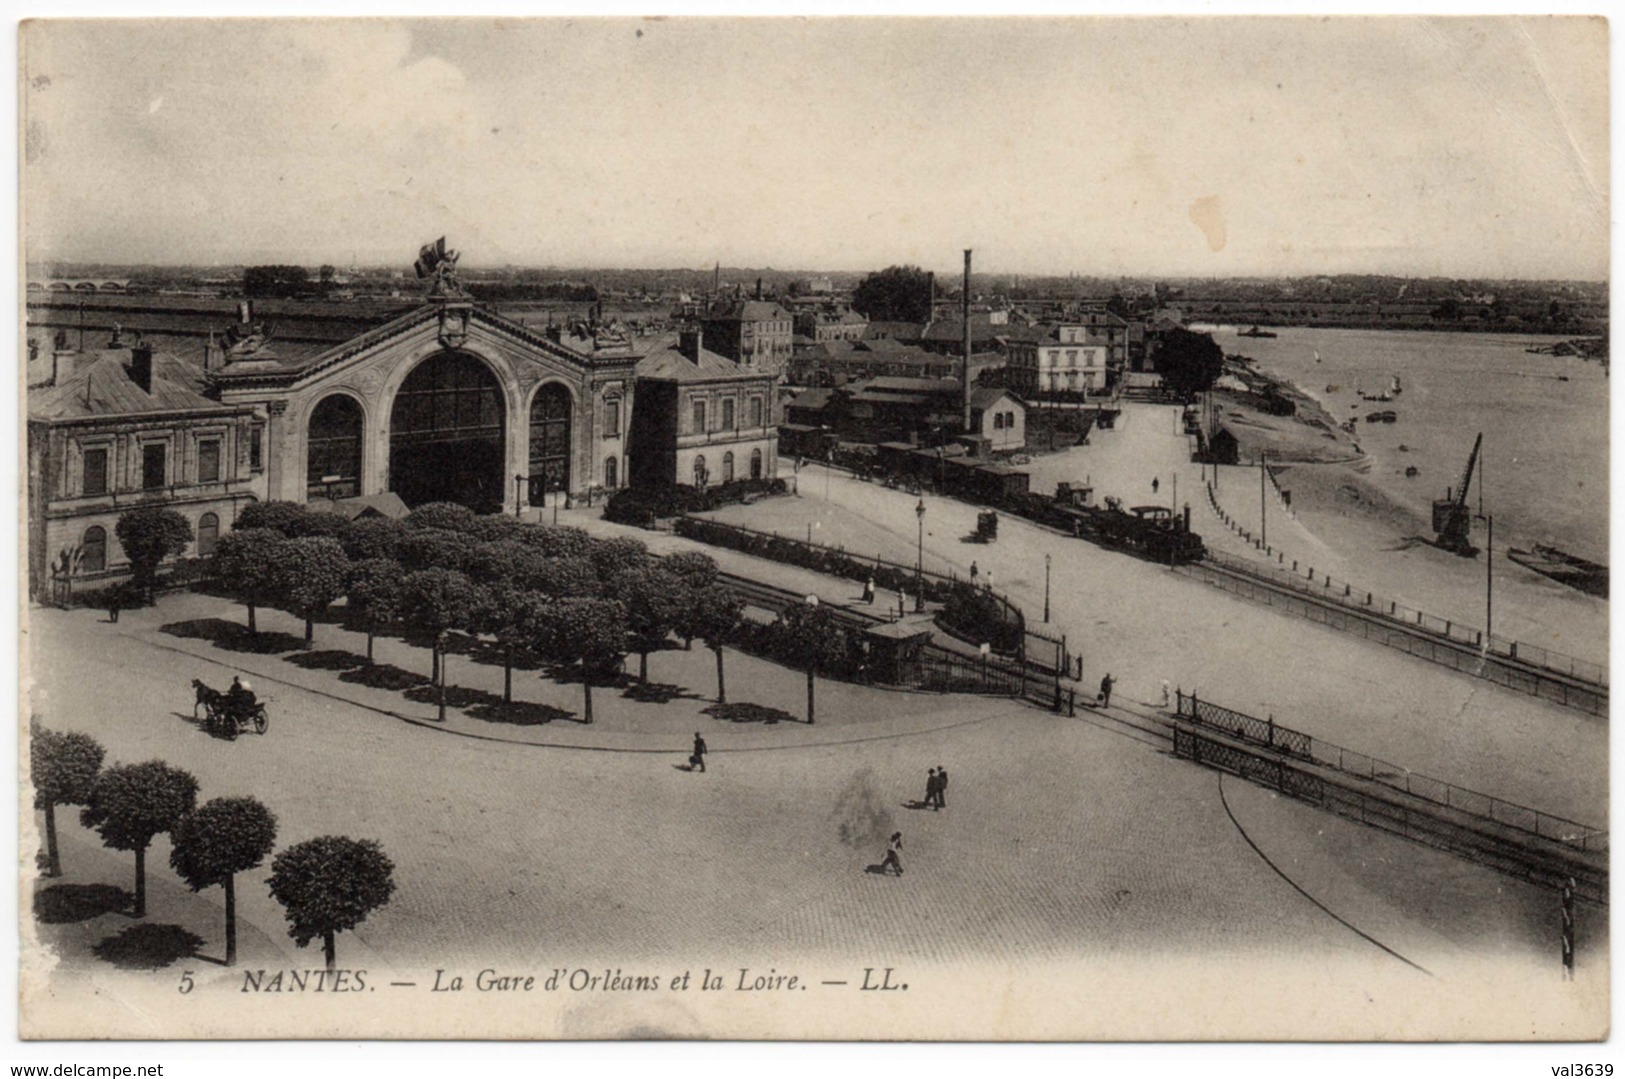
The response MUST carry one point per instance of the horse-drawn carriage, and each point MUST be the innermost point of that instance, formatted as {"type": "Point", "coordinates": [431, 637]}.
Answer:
{"type": "Point", "coordinates": [229, 714]}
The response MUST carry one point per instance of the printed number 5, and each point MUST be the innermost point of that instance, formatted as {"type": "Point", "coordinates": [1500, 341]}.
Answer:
{"type": "Point", "coordinates": [186, 982]}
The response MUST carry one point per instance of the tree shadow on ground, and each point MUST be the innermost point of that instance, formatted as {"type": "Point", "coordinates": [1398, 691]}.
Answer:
{"type": "Point", "coordinates": [60, 904]}
{"type": "Point", "coordinates": [518, 713]}
{"type": "Point", "coordinates": [456, 696]}
{"type": "Point", "coordinates": [745, 712]}
{"type": "Point", "coordinates": [148, 947]}
{"type": "Point", "coordinates": [383, 676]}
{"type": "Point", "coordinates": [491, 655]}
{"type": "Point", "coordinates": [234, 637]}
{"type": "Point", "coordinates": [657, 692]}
{"type": "Point", "coordinates": [327, 659]}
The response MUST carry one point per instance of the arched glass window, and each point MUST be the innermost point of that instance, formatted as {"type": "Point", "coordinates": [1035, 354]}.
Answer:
{"type": "Point", "coordinates": [334, 448]}
{"type": "Point", "coordinates": [611, 472]}
{"type": "Point", "coordinates": [728, 467]}
{"type": "Point", "coordinates": [93, 550]}
{"type": "Point", "coordinates": [699, 470]}
{"type": "Point", "coordinates": [208, 531]}
{"type": "Point", "coordinates": [755, 464]}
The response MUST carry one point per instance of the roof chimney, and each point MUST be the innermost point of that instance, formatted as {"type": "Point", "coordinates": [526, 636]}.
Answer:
{"type": "Point", "coordinates": [689, 342]}
{"type": "Point", "coordinates": [245, 312]}
{"type": "Point", "coordinates": [62, 365]}
{"type": "Point", "coordinates": [141, 367]}
{"type": "Point", "coordinates": [964, 374]}
{"type": "Point", "coordinates": [758, 288]}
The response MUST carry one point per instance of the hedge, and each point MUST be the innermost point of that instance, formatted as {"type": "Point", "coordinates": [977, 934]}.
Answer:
{"type": "Point", "coordinates": [642, 506]}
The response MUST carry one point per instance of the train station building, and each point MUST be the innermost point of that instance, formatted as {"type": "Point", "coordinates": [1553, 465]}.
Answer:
{"type": "Point", "coordinates": [449, 401]}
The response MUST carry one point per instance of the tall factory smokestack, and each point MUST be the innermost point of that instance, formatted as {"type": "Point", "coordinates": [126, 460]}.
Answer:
{"type": "Point", "coordinates": [964, 375]}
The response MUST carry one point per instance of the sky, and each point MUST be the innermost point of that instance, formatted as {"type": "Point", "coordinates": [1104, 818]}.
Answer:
{"type": "Point", "coordinates": [1154, 146]}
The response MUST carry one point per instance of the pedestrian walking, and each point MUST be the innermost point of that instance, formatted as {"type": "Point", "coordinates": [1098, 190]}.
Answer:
{"type": "Point", "coordinates": [942, 788]}
{"type": "Point", "coordinates": [930, 798]}
{"type": "Point", "coordinates": [696, 760]}
{"type": "Point", "coordinates": [1106, 691]}
{"type": "Point", "coordinates": [894, 850]}
{"type": "Point", "coordinates": [990, 580]}
{"type": "Point", "coordinates": [869, 590]}
{"type": "Point", "coordinates": [1165, 697]}
{"type": "Point", "coordinates": [113, 603]}
{"type": "Point", "coordinates": [1155, 483]}
{"type": "Point", "coordinates": [974, 572]}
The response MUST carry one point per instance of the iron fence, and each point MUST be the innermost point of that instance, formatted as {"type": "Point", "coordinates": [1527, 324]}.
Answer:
{"type": "Point", "coordinates": [1263, 732]}
{"type": "Point", "coordinates": [1420, 825]}
{"type": "Point", "coordinates": [1301, 577]}
{"type": "Point", "coordinates": [1547, 685]}
{"type": "Point", "coordinates": [1249, 728]}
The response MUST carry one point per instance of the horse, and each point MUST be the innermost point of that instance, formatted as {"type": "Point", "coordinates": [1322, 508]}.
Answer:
{"type": "Point", "coordinates": [210, 700]}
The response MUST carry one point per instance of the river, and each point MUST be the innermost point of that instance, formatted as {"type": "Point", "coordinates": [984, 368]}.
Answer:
{"type": "Point", "coordinates": [1545, 457]}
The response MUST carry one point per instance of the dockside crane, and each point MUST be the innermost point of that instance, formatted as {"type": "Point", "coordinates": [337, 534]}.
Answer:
{"type": "Point", "coordinates": [1451, 518]}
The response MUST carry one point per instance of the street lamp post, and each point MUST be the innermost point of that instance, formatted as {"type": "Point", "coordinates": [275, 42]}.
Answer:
{"type": "Point", "coordinates": [1489, 580]}
{"type": "Point", "coordinates": [1046, 588]}
{"type": "Point", "coordinates": [518, 496]}
{"type": "Point", "coordinates": [919, 563]}
{"type": "Point", "coordinates": [812, 659]}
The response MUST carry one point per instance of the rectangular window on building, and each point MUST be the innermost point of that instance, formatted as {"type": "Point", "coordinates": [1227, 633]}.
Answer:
{"type": "Point", "coordinates": [154, 465]}
{"type": "Point", "coordinates": [256, 448]}
{"type": "Point", "coordinates": [208, 460]}
{"type": "Point", "coordinates": [95, 472]}
{"type": "Point", "coordinates": [728, 415]}
{"type": "Point", "coordinates": [699, 417]}
{"type": "Point", "coordinates": [612, 419]}
{"type": "Point", "coordinates": [756, 412]}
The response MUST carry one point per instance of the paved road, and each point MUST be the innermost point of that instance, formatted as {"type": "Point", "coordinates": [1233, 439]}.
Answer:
{"type": "Point", "coordinates": [1144, 624]}
{"type": "Point", "coordinates": [1064, 840]}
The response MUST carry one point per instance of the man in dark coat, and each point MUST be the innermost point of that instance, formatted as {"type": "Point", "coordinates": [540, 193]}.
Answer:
{"type": "Point", "coordinates": [697, 761]}
{"type": "Point", "coordinates": [1106, 691]}
{"type": "Point", "coordinates": [940, 801]}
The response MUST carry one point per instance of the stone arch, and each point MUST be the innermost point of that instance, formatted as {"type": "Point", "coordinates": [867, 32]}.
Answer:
{"type": "Point", "coordinates": [335, 445]}
{"type": "Point", "coordinates": [208, 534]}
{"type": "Point", "coordinates": [552, 428]}
{"type": "Point", "coordinates": [448, 425]}
{"type": "Point", "coordinates": [93, 550]}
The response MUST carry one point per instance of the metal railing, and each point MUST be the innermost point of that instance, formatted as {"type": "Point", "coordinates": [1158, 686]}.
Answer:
{"type": "Point", "coordinates": [1419, 824]}
{"type": "Point", "coordinates": [1301, 577]}
{"type": "Point", "coordinates": [1501, 670]}
{"type": "Point", "coordinates": [1295, 743]}
{"type": "Point", "coordinates": [1264, 732]}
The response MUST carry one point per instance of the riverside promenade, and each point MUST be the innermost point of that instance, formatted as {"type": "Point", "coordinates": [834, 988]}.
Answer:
{"type": "Point", "coordinates": [1144, 624]}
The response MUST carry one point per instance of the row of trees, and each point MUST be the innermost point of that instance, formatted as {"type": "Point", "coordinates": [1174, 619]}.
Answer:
{"type": "Point", "coordinates": [325, 885]}
{"type": "Point", "coordinates": [550, 593]}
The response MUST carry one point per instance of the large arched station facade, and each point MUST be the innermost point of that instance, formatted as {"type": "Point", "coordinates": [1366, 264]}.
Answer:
{"type": "Point", "coordinates": [448, 403]}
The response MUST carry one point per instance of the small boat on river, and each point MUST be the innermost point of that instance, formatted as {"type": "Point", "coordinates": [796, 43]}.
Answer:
{"type": "Point", "coordinates": [1564, 568]}
{"type": "Point", "coordinates": [1254, 332]}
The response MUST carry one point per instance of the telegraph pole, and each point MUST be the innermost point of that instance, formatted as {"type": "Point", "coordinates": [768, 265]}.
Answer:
{"type": "Point", "coordinates": [1263, 509]}
{"type": "Point", "coordinates": [1489, 580]}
